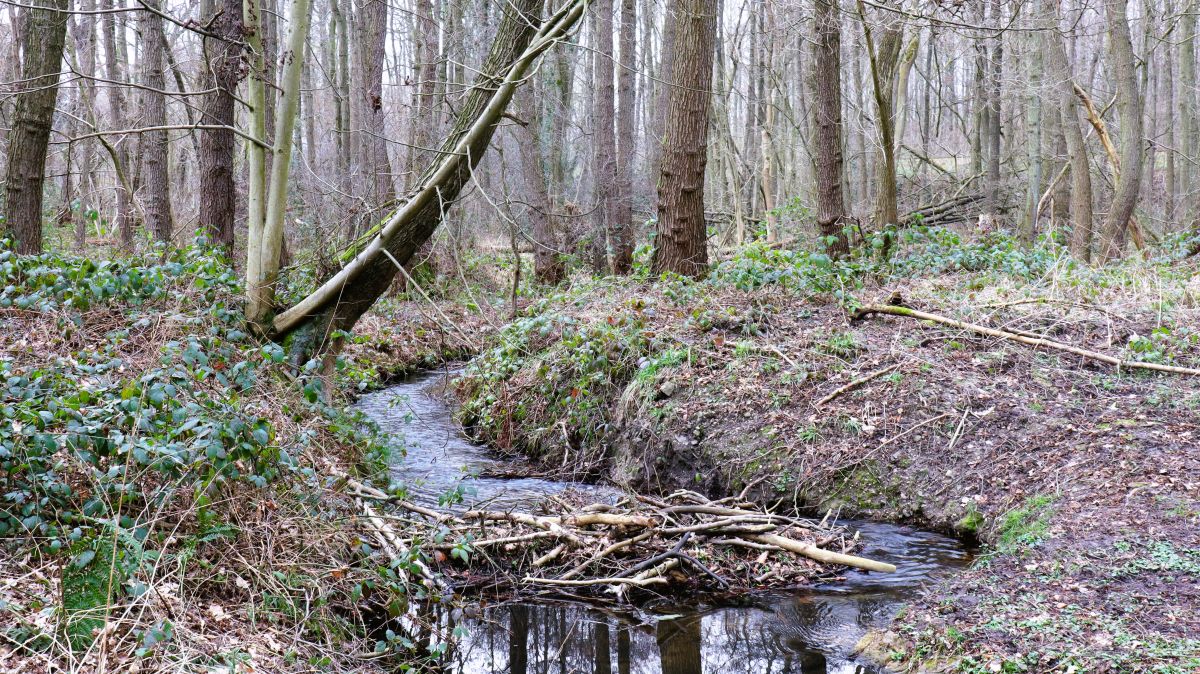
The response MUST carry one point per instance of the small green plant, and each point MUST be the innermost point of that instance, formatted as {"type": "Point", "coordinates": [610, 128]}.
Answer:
{"type": "Point", "coordinates": [1025, 526]}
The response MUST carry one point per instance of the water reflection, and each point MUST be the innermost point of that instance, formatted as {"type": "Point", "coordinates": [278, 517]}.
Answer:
{"type": "Point", "coordinates": [541, 639]}
{"type": "Point", "coordinates": [812, 632]}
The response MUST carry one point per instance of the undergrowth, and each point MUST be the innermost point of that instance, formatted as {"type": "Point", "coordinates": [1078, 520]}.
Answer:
{"type": "Point", "coordinates": [165, 474]}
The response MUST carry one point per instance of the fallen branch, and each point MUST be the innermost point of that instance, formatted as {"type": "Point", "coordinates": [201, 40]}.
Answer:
{"type": "Point", "coordinates": [869, 309]}
{"type": "Point", "coordinates": [824, 556]}
{"type": "Point", "coordinates": [856, 383]}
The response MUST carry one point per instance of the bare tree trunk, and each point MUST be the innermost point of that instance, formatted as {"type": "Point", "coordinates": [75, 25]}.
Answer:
{"type": "Point", "coordinates": [44, 37]}
{"type": "Point", "coordinates": [1034, 150]}
{"type": "Point", "coordinates": [1129, 107]}
{"type": "Point", "coordinates": [85, 50]}
{"type": "Point", "coordinates": [261, 285]}
{"type": "Point", "coordinates": [372, 19]}
{"type": "Point", "coordinates": [885, 62]}
{"type": "Point", "coordinates": [1059, 73]}
{"type": "Point", "coordinates": [681, 244]}
{"type": "Point", "coordinates": [548, 266]}
{"type": "Point", "coordinates": [995, 86]}
{"type": "Point", "coordinates": [1188, 123]}
{"type": "Point", "coordinates": [1171, 168]}
{"type": "Point", "coordinates": [622, 220]}
{"type": "Point", "coordinates": [117, 117]}
{"type": "Point", "coordinates": [425, 122]}
{"type": "Point", "coordinates": [221, 71]}
{"type": "Point", "coordinates": [155, 149]}
{"type": "Point", "coordinates": [827, 127]}
{"type": "Point", "coordinates": [604, 148]}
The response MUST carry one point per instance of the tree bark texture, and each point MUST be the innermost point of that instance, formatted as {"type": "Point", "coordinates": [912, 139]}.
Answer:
{"type": "Point", "coordinates": [681, 237]}
{"type": "Point", "coordinates": [44, 37]}
{"type": "Point", "coordinates": [221, 71]}
{"type": "Point", "coordinates": [622, 232]}
{"type": "Point", "coordinates": [155, 150]}
{"type": "Point", "coordinates": [1129, 108]}
{"type": "Point", "coordinates": [604, 147]}
{"type": "Point", "coordinates": [828, 162]}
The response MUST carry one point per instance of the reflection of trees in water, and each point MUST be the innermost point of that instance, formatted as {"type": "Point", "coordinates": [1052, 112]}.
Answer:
{"type": "Point", "coordinates": [570, 639]}
{"type": "Point", "coordinates": [679, 645]}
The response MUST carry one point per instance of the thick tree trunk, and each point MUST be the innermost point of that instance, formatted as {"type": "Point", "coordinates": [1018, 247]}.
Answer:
{"type": "Point", "coordinates": [341, 300]}
{"type": "Point", "coordinates": [1129, 107]}
{"type": "Point", "coordinates": [425, 121]}
{"type": "Point", "coordinates": [827, 127]}
{"type": "Point", "coordinates": [681, 245]}
{"type": "Point", "coordinates": [372, 19]}
{"type": "Point", "coordinates": [221, 72]}
{"type": "Point", "coordinates": [1059, 73]}
{"type": "Point", "coordinates": [44, 36]}
{"type": "Point", "coordinates": [155, 149]}
{"type": "Point", "coordinates": [621, 233]}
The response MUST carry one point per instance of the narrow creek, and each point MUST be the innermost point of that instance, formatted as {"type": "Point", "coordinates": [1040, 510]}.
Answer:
{"type": "Point", "coordinates": [811, 631]}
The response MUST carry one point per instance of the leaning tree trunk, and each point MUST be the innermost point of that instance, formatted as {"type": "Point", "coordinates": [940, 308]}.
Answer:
{"type": "Point", "coordinates": [1059, 73]}
{"type": "Point", "coordinates": [827, 127]}
{"type": "Point", "coordinates": [45, 35]}
{"type": "Point", "coordinates": [156, 148]}
{"type": "Point", "coordinates": [681, 244]}
{"type": "Point", "coordinates": [221, 73]}
{"type": "Point", "coordinates": [339, 302]}
{"type": "Point", "coordinates": [1129, 107]}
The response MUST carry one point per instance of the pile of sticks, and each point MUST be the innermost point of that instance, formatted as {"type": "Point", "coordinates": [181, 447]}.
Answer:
{"type": "Point", "coordinates": [681, 544]}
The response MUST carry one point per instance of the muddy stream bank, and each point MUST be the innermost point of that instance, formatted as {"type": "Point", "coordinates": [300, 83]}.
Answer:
{"type": "Point", "coordinates": [809, 631]}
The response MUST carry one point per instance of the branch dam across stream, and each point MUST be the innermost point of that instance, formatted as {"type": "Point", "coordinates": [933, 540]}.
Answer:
{"type": "Point", "coordinates": [812, 630]}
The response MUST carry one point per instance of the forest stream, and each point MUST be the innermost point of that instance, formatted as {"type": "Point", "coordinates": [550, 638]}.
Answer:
{"type": "Point", "coordinates": [811, 631]}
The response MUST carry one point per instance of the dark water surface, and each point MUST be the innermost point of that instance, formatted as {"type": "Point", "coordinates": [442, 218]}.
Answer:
{"type": "Point", "coordinates": [809, 632]}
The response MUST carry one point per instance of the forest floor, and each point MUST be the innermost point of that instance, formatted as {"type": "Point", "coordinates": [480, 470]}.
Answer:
{"type": "Point", "coordinates": [1082, 480]}
{"type": "Point", "coordinates": [170, 499]}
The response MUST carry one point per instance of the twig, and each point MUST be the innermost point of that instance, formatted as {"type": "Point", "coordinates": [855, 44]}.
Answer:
{"type": "Point", "coordinates": [856, 383]}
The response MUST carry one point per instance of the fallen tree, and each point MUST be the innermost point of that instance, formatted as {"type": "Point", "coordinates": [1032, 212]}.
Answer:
{"type": "Point", "coordinates": [337, 304]}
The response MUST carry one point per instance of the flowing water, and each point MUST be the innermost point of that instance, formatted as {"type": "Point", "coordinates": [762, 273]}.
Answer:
{"type": "Point", "coordinates": [811, 631]}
